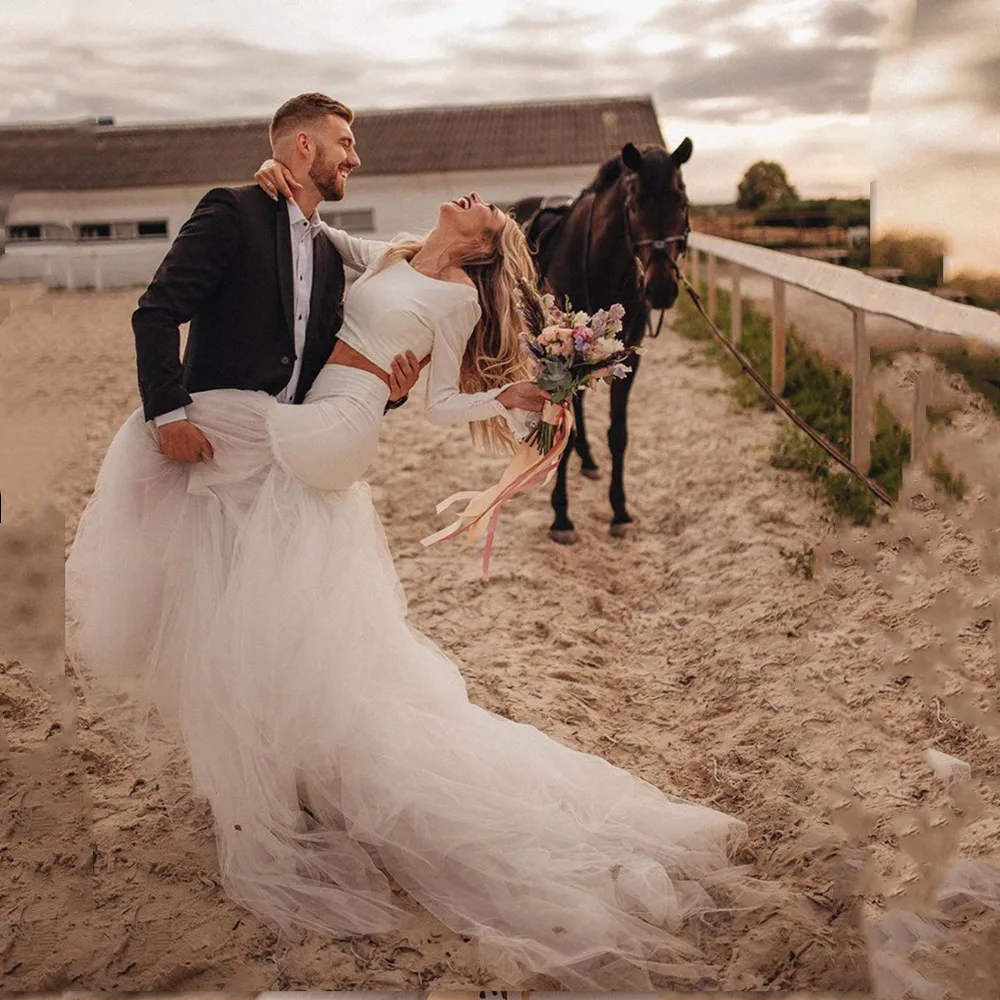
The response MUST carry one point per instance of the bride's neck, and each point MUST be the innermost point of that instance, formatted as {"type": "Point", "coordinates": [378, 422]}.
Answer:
{"type": "Point", "coordinates": [436, 258]}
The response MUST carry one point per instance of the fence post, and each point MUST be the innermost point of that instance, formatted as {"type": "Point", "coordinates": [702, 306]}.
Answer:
{"type": "Point", "coordinates": [696, 270]}
{"type": "Point", "coordinates": [778, 338]}
{"type": "Point", "coordinates": [712, 283]}
{"type": "Point", "coordinates": [918, 438]}
{"type": "Point", "coordinates": [736, 308]}
{"type": "Point", "coordinates": [861, 428]}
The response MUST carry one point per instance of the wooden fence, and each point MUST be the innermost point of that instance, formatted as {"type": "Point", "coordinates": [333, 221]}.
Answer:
{"type": "Point", "coordinates": [863, 295]}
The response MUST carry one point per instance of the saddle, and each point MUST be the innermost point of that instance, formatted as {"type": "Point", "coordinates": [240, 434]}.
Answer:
{"type": "Point", "coordinates": [543, 224]}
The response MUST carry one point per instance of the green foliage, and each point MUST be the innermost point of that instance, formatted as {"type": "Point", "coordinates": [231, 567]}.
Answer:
{"type": "Point", "coordinates": [817, 213]}
{"type": "Point", "coordinates": [983, 288]}
{"type": "Point", "coordinates": [954, 486]}
{"type": "Point", "coordinates": [764, 183]}
{"type": "Point", "coordinates": [921, 256]}
{"type": "Point", "coordinates": [819, 393]}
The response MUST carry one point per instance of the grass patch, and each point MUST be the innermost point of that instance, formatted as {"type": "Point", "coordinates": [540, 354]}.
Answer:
{"type": "Point", "coordinates": [819, 393]}
{"type": "Point", "coordinates": [946, 480]}
{"type": "Point", "coordinates": [802, 561]}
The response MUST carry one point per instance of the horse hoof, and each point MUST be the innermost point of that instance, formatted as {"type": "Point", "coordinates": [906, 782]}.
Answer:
{"type": "Point", "coordinates": [594, 473]}
{"type": "Point", "coordinates": [563, 537]}
{"type": "Point", "coordinates": [622, 530]}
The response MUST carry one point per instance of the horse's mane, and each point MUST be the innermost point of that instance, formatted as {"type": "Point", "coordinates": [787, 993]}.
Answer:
{"type": "Point", "coordinates": [609, 171]}
{"type": "Point", "coordinates": [607, 174]}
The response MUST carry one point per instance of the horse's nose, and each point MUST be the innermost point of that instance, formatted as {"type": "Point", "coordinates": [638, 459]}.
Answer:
{"type": "Point", "coordinates": [661, 285]}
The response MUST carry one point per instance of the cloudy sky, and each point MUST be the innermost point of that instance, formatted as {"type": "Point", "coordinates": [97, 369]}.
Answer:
{"type": "Point", "coordinates": [935, 125]}
{"type": "Point", "coordinates": [747, 79]}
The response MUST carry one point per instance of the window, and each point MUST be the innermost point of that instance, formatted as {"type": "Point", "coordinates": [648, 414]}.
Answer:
{"type": "Point", "coordinates": [94, 231]}
{"type": "Point", "coordinates": [147, 229]}
{"type": "Point", "coordinates": [353, 220]}
{"type": "Point", "coordinates": [24, 233]}
{"type": "Point", "coordinates": [153, 228]}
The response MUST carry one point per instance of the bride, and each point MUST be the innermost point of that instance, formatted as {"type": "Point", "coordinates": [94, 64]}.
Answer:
{"type": "Point", "coordinates": [251, 600]}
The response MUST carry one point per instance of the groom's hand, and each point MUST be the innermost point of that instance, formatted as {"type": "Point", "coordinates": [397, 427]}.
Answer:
{"type": "Point", "coordinates": [181, 441]}
{"type": "Point", "coordinates": [404, 374]}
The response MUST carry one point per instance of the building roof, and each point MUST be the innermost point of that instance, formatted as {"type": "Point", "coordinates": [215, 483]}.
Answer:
{"type": "Point", "coordinates": [86, 155]}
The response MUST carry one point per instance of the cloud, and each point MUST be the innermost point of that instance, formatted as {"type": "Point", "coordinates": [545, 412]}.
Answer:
{"type": "Point", "coordinates": [938, 18]}
{"type": "Point", "coordinates": [531, 50]}
{"type": "Point", "coordinates": [166, 77]}
{"type": "Point", "coordinates": [852, 19]}
{"type": "Point", "coordinates": [763, 77]}
{"type": "Point", "coordinates": [775, 79]}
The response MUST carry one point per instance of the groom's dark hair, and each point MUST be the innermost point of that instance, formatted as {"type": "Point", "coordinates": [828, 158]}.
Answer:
{"type": "Point", "coordinates": [299, 111]}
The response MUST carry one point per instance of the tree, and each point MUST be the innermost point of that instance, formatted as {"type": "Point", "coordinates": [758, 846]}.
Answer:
{"type": "Point", "coordinates": [764, 183]}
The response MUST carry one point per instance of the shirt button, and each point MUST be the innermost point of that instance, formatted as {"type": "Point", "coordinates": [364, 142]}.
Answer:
{"type": "Point", "coordinates": [286, 360]}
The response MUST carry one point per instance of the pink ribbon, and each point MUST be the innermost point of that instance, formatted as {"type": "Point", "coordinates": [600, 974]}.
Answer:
{"type": "Point", "coordinates": [526, 469]}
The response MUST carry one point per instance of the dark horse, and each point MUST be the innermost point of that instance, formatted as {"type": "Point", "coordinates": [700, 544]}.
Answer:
{"type": "Point", "coordinates": [618, 241]}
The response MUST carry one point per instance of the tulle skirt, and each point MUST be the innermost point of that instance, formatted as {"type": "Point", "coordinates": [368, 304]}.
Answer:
{"type": "Point", "coordinates": [252, 602]}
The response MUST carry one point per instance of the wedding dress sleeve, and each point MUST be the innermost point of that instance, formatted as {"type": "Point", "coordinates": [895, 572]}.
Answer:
{"type": "Point", "coordinates": [357, 253]}
{"type": "Point", "coordinates": [446, 403]}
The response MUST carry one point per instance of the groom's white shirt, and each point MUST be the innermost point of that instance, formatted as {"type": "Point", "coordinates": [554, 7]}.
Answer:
{"type": "Point", "coordinates": [303, 231]}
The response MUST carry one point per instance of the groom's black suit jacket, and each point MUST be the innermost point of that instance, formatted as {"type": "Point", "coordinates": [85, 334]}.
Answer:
{"type": "Point", "coordinates": [229, 272]}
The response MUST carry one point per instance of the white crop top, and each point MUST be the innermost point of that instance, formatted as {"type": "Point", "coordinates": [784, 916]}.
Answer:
{"type": "Point", "coordinates": [398, 310]}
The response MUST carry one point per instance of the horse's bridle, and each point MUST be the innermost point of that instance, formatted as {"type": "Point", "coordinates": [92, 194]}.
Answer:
{"type": "Point", "coordinates": [659, 244]}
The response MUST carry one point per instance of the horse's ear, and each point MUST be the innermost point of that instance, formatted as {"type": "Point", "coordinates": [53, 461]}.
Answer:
{"type": "Point", "coordinates": [682, 153]}
{"type": "Point", "coordinates": [631, 157]}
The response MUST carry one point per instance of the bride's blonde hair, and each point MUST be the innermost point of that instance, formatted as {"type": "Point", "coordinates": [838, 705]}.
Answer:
{"type": "Point", "coordinates": [500, 267]}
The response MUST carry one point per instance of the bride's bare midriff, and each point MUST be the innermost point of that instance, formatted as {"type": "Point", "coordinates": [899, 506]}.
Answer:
{"type": "Point", "coordinates": [344, 354]}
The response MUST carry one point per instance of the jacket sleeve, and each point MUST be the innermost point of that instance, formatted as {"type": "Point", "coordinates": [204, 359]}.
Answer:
{"type": "Point", "coordinates": [446, 403]}
{"type": "Point", "coordinates": [189, 274]}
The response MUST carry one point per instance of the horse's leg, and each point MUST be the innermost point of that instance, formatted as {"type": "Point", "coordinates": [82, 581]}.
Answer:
{"type": "Point", "coordinates": [618, 442]}
{"type": "Point", "coordinates": [562, 529]}
{"type": "Point", "coordinates": [588, 466]}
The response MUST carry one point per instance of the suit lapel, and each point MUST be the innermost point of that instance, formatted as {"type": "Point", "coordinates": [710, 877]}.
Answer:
{"type": "Point", "coordinates": [321, 267]}
{"type": "Point", "coordinates": [284, 252]}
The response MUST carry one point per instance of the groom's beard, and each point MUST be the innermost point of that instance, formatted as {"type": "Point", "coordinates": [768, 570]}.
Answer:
{"type": "Point", "coordinates": [330, 183]}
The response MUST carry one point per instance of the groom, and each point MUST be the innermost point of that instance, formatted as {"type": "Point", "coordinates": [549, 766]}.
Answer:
{"type": "Point", "coordinates": [262, 289]}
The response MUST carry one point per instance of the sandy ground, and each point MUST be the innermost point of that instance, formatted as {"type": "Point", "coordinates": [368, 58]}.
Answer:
{"type": "Point", "coordinates": [694, 653]}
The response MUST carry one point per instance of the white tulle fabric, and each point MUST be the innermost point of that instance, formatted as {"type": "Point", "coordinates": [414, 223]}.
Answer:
{"type": "Point", "coordinates": [262, 617]}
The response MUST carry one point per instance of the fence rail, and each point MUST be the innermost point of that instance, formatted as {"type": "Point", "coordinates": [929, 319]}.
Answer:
{"type": "Point", "coordinates": [861, 293]}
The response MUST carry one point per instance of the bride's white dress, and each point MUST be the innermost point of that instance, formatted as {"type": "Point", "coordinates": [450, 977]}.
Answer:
{"type": "Point", "coordinates": [252, 601]}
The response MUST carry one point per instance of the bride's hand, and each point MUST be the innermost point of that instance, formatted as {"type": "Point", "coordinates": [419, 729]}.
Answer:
{"type": "Point", "coordinates": [525, 396]}
{"type": "Point", "coordinates": [273, 177]}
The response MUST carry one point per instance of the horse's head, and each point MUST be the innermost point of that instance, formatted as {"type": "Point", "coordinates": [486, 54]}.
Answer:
{"type": "Point", "coordinates": [656, 212]}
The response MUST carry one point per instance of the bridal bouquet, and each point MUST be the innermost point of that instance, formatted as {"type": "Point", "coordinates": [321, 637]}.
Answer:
{"type": "Point", "coordinates": [572, 352]}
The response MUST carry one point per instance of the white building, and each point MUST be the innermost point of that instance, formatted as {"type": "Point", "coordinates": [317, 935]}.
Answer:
{"type": "Point", "coordinates": [92, 204]}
